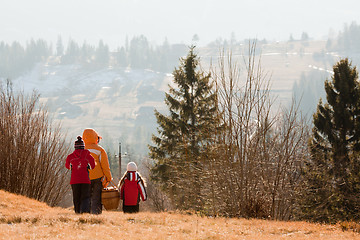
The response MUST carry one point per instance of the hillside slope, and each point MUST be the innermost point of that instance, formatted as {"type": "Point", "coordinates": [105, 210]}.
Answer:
{"type": "Point", "coordinates": [23, 218]}
{"type": "Point", "coordinates": [120, 102]}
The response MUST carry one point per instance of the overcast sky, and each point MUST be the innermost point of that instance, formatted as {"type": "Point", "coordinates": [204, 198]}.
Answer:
{"type": "Point", "coordinates": [176, 20]}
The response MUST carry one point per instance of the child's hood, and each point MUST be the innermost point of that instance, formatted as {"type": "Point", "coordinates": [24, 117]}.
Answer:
{"type": "Point", "coordinates": [133, 176]}
{"type": "Point", "coordinates": [78, 152]}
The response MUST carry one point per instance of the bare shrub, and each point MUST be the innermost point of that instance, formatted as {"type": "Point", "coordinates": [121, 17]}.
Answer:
{"type": "Point", "coordinates": [157, 201]}
{"type": "Point", "coordinates": [32, 149]}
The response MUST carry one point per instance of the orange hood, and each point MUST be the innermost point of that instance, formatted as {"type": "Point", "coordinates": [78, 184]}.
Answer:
{"type": "Point", "coordinates": [90, 136]}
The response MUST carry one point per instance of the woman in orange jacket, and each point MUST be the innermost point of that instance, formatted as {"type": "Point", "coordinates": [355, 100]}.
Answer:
{"type": "Point", "coordinates": [101, 170]}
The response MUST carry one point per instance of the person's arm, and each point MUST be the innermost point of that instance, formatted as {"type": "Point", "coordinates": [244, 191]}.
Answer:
{"type": "Point", "coordinates": [67, 162]}
{"type": "Point", "coordinates": [104, 161]}
{"type": "Point", "coordinates": [122, 190]}
{"type": "Point", "coordinates": [142, 190]}
{"type": "Point", "coordinates": [91, 160]}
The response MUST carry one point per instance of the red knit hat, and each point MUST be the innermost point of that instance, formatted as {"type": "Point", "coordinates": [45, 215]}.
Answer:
{"type": "Point", "coordinates": [79, 143]}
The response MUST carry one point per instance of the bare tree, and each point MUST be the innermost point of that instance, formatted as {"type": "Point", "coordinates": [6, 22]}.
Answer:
{"type": "Point", "coordinates": [32, 149]}
{"type": "Point", "coordinates": [256, 156]}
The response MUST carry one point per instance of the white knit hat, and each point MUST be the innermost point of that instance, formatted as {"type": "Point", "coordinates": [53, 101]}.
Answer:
{"type": "Point", "coordinates": [131, 166]}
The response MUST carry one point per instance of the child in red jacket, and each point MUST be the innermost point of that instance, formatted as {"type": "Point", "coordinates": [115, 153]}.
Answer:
{"type": "Point", "coordinates": [80, 161]}
{"type": "Point", "coordinates": [132, 187]}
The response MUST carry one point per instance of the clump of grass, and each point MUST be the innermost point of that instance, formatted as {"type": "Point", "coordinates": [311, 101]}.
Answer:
{"type": "Point", "coordinates": [354, 226]}
{"type": "Point", "coordinates": [91, 220]}
{"type": "Point", "coordinates": [35, 220]}
{"type": "Point", "coordinates": [18, 219]}
{"type": "Point", "coordinates": [3, 220]}
{"type": "Point", "coordinates": [51, 222]}
{"type": "Point", "coordinates": [11, 220]}
{"type": "Point", "coordinates": [82, 220]}
{"type": "Point", "coordinates": [64, 219]}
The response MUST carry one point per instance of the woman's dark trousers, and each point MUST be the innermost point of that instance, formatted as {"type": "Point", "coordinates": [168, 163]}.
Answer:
{"type": "Point", "coordinates": [81, 197]}
{"type": "Point", "coordinates": [96, 188]}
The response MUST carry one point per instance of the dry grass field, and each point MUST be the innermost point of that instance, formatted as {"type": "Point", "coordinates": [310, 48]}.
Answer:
{"type": "Point", "coordinates": [23, 218]}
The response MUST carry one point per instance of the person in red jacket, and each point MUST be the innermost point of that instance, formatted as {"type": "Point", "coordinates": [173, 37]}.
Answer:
{"type": "Point", "coordinates": [80, 161]}
{"type": "Point", "coordinates": [132, 187]}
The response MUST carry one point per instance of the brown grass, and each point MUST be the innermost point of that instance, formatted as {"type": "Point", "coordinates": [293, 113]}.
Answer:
{"type": "Point", "coordinates": [23, 218]}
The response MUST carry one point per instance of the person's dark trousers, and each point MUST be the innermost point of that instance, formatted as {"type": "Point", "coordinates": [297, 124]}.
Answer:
{"type": "Point", "coordinates": [96, 188]}
{"type": "Point", "coordinates": [131, 209]}
{"type": "Point", "coordinates": [81, 197]}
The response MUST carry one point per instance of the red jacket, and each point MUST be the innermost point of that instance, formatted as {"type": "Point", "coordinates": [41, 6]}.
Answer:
{"type": "Point", "coordinates": [132, 188]}
{"type": "Point", "coordinates": [80, 161]}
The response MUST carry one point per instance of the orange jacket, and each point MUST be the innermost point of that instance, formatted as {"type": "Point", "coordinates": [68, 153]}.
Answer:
{"type": "Point", "coordinates": [90, 137]}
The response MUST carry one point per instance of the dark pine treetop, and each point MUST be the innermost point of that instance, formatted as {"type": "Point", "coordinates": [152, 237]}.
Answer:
{"type": "Point", "coordinates": [336, 122]}
{"type": "Point", "coordinates": [180, 148]}
{"type": "Point", "coordinates": [331, 173]}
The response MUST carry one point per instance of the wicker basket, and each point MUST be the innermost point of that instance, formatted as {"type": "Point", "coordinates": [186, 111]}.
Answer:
{"type": "Point", "coordinates": [110, 197]}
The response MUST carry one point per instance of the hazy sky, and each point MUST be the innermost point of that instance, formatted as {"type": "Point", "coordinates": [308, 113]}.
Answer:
{"type": "Point", "coordinates": [176, 20]}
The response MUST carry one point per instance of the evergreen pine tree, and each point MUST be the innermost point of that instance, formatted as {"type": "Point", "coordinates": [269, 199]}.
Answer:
{"type": "Point", "coordinates": [71, 54]}
{"type": "Point", "coordinates": [59, 47]}
{"type": "Point", "coordinates": [139, 52]}
{"type": "Point", "coordinates": [102, 55]}
{"type": "Point", "coordinates": [332, 173]}
{"type": "Point", "coordinates": [121, 57]}
{"type": "Point", "coordinates": [86, 53]}
{"type": "Point", "coordinates": [180, 151]}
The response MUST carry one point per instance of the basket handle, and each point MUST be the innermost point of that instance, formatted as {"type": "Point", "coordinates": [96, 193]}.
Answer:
{"type": "Point", "coordinates": [112, 183]}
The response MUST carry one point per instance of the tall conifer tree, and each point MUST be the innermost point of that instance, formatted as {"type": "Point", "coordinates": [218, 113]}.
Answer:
{"type": "Point", "coordinates": [332, 173]}
{"type": "Point", "coordinates": [180, 150]}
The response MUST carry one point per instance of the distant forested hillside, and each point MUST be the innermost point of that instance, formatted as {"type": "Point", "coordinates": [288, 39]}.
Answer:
{"type": "Point", "coordinates": [310, 87]}
{"type": "Point", "coordinates": [137, 53]}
